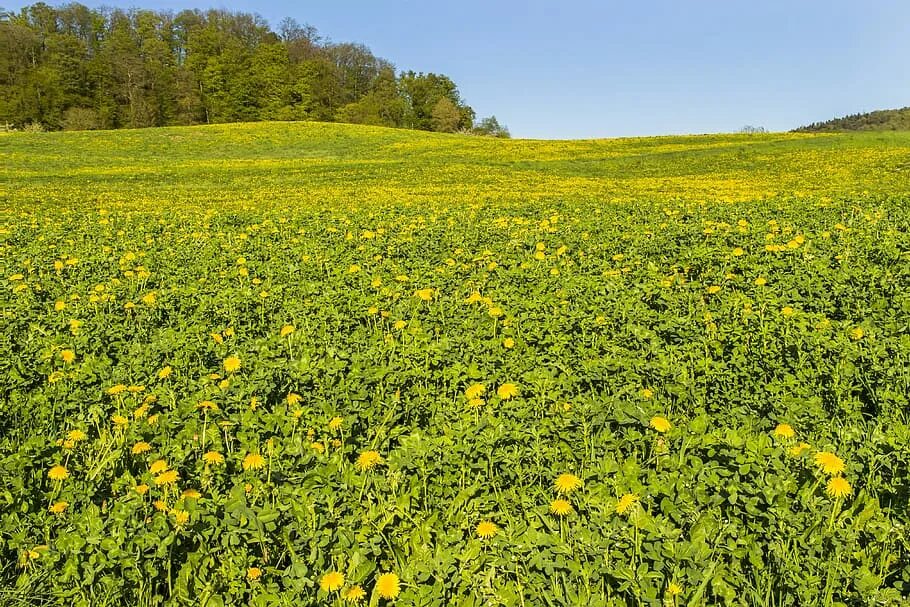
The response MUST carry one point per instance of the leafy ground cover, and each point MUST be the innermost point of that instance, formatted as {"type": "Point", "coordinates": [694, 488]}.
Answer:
{"type": "Point", "coordinates": [305, 364]}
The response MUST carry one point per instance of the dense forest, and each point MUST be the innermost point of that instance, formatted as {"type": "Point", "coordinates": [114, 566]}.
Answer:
{"type": "Point", "coordinates": [72, 67]}
{"type": "Point", "coordinates": [881, 120]}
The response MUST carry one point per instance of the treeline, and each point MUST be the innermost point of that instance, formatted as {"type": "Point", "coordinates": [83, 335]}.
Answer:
{"type": "Point", "coordinates": [881, 120]}
{"type": "Point", "coordinates": [72, 67]}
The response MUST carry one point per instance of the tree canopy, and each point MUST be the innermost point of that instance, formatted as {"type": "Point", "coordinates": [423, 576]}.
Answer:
{"type": "Point", "coordinates": [881, 120]}
{"type": "Point", "coordinates": [72, 67]}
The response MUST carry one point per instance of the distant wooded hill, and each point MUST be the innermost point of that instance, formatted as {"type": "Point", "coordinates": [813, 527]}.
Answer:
{"type": "Point", "coordinates": [881, 120]}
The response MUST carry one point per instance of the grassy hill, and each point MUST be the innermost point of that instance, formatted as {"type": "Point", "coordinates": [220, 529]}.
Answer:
{"type": "Point", "coordinates": [880, 120]}
{"type": "Point", "coordinates": [307, 364]}
{"type": "Point", "coordinates": [327, 164]}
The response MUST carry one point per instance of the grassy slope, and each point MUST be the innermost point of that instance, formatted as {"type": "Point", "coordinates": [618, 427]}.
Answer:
{"type": "Point", "coordinates": [655, 294]}
{"type": "Point", "coordinates": [328, 164]}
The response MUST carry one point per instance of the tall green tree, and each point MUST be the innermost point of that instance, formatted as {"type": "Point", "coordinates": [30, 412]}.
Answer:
{"type": "Point", "coordinates": [423, 93]}
{"type": "Point", "coordinates": [75, 67]}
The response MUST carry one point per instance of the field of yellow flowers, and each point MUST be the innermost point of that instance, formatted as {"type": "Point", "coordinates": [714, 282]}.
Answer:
{"type": "Point", "coordinates": [307, 364]}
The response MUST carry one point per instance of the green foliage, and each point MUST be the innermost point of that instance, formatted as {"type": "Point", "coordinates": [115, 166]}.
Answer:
{"type": "Point", "coordinates": [881, 120]}
{"type": "Point", "coordinates": [490, 127]}
{"type": "Point", "coordinates": [445, 117]}
{"type": "Point", "coordinates": [424, 93]}
{"type": "Point", "coordinates": [75, 68]}
{"type": "Point", "coordinates": [377, 275]}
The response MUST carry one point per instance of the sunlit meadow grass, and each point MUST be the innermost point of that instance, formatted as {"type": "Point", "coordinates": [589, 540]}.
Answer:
{"type": "Point", "coordinates": [307, 364]}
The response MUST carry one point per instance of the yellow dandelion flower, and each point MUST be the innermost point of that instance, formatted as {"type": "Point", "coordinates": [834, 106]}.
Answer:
{"type": "Point", "coordinates": [212, 457]}
{"type": "Point", "coordinates": [58, 507]}
{"type": "Point", "coordinates": [838, 487]}
{"type": "Point", "coordinates": [486, 530]}
{"type": "Point", "coordinates": [141, 447]}
{"type": "Point", "coordinates": [495, 312]}
{"type": "Point", "coordinates": [567, 483]}
{"type": "Point", "coordinates": [68, 356]}
{"type": "Point", "coordinates": [58, 473]}
{"type": "Point", "coordinates": [207, 405]}
{"type": "Point", "coordinates": [856, 334]}
{"type": "Point", "coordinates": [294, 399]}
{"type": "Point", "coordinates": [181, 517]}
{"type": "Point", "coordinates": [738, 252]}
{"type": "Point", "coordinates": [784, 431]}
{"type": "Point", "coordinates": [115, 390]}
{"type": "Point", "coordinates": [231, 364]}
{"type": "Point", "coordinates": [317, 447]}
{"type": "Point", "coordinates": [141, 489]}
{"type": "Point", "coordinates": [761, 281]}
{"type": "Point", "coordinates": [507, 391]}
{"type": "Point", "coordinates": [158, 466]}
{"type": "Point", "coordinates": [388, 586]}
{"type": "Point", "coordinates": [119, 420]}
{"type": "Point", "coordinates": [626, 502]}
{"type": "Point", "coordinates": [253, 461]}
{"type": "Point", "coordinates": [335, 423]}
{"type": "Point", "coordinates": [829, 463]}
{"type": "Point", "coordinates": [475, 391]}
{"type": "Point", "coordinates": [354, 594]}
{"type": "Point", "coordinates": [287, 330]}
{"type": "Point", "coordinates": [34, 553]}
{"type": "Point", "coordinates": [191, 494]}
{"type": "Point", "coordinates": [424, 294]}
{"type": "Point", "coordinates": [332, 581]}
{"type": "Point", "coordinates": [674, 589]}
{"type": "Point", "coordinates": [475, 403]}
{"type": "Point", "coordinates": [253, 573]}
{"type": "Point", "coordinates": [28, 555]}
{"type": "Point", "coordinates": [76, 436]}
{"type": "Point", "coordinates": [367, 460]}
{"type": "Point", "coordinates": [167, 478]}
{"type": "Point", "coordinates": [787, 311]}
{"type": "Point", "coordinates": [661, 424]}
{"type": "Point", "coordinates": [561, 507]}
{"type": "Point", "coordinates": [508, 343]}
{"type": "Point", "coordinates": [399, 325]}
{"type": "Point", "coordinates": [160, 505]}
{"type": "Point", "coordinates": [713, 289]}
{"type": "Point", "coordinates": [647, 393]}
{"type": "Point", "coordinates": [165, 372]}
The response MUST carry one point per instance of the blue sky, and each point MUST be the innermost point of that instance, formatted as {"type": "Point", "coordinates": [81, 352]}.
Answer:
{"type": "Point", "coordinates": [577, 69]}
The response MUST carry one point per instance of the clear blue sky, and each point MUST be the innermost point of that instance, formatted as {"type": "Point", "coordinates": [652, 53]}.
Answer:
{"type": "Point", "coordinates": [606, 68]}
